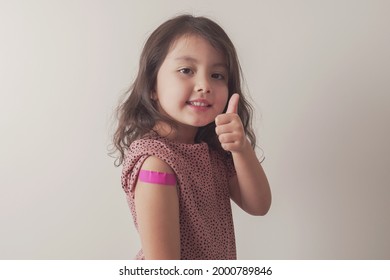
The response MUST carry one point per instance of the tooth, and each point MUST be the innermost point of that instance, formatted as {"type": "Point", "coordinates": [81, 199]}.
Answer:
{"type": "Point", "coordinates": [198, 104]}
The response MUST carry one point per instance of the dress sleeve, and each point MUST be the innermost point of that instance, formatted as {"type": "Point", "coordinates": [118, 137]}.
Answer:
{"type": "Point", "coordinates": [135, 157]}
{"type": "Point", "coordinates": [130, 175]}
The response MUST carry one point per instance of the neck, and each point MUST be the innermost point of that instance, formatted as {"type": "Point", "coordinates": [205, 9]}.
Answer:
{"type": "Point", "coordinates": [183, 134]}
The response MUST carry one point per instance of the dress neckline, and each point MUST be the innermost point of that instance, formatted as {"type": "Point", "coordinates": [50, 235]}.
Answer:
{"type": "Point", "coordinates": [155, 135]}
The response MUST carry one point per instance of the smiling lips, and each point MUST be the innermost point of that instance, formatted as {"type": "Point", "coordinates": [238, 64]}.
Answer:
{"type": "Point", "coordinates": [199, 103]}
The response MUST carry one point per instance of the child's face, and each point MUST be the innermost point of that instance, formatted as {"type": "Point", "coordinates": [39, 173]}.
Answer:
{"type": "Point", "coordinates": [192, 82]}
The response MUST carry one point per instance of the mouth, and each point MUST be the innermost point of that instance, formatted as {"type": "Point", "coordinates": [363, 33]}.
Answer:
{"type": "Point", "coordinates": [198, 103]}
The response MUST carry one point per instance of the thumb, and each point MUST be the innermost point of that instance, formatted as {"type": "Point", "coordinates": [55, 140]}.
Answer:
{"type": "Point", "coordinates": [233, 104]}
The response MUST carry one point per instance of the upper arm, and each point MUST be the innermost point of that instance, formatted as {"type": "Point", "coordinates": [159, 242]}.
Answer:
{"type": "Point", "coordinates": [157, 208]}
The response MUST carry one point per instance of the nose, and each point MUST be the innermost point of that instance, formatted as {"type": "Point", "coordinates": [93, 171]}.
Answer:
{"type": "Point", "coordinates": [203, 85]}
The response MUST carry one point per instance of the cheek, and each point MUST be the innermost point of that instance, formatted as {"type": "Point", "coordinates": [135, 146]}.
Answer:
{"type": "Point", "coordinates": [170, 85]}
{"type": "Point", "coordinates": [223, 100]}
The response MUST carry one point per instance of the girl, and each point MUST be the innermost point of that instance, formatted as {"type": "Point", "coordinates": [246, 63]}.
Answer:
{"type": "Point", "coordinates": [186, 144]}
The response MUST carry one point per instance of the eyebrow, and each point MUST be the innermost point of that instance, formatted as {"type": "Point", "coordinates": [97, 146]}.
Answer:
{"type": "Point", "coordinates": [194, 60]}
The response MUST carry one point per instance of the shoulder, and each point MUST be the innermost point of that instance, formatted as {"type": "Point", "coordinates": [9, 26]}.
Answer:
{"type": "Point", "coordinates": [146, 153]}
{"type": "Point", "coordinates": [151, 144]}
{"type": "Point", "coordinates": [154, 163]}
{"type": "Point", "coordinates": [148, 143]}
{"type": "Point", "coordinates": [148, 146]}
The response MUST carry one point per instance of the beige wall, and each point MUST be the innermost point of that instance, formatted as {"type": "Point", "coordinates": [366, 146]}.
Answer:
{"type": "Point", "coordinates": [318, 72]}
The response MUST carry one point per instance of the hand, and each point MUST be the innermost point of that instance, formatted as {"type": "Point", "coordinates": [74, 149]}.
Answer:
{"type": "Point", "coordinates": [229, 127]}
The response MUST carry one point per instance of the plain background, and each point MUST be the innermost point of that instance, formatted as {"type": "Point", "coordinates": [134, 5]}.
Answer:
{"type": "Point", "coordinates": [318, 73]}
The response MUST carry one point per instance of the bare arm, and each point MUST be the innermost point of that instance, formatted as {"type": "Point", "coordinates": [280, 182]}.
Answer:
{"type": "Point", "coordinates": [250, 188]}
{"type": "Point", "coordinates": [157, 208]}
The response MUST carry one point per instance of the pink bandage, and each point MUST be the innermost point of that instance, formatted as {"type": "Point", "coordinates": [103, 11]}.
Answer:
{"type": "Point", "coordinates": [154, 177]}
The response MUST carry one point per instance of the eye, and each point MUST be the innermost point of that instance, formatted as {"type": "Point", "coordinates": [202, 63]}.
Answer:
{"type": "Point", "coordinates": [186, 71]}
{"type": "Point", "coordinates": [218, 76]}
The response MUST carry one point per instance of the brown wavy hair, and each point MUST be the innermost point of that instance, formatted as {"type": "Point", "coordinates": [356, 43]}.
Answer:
{"type": "Point", "coordinates": [138, 114]}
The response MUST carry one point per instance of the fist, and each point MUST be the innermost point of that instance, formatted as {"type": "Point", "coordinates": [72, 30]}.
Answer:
{"type": "Point", "coordinates": [229, 127]}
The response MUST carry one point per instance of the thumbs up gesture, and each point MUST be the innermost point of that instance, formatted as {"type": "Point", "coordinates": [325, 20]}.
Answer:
{"type": "Point", "coordinates": [229, 127]}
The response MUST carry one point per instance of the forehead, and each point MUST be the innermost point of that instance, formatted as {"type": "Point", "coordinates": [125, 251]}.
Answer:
{"type": "Point", "coordinates": [197, 48]}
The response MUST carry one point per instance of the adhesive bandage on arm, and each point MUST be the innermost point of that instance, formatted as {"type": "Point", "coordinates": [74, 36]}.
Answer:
{"type": "Point", "coordinates": [154, 177]}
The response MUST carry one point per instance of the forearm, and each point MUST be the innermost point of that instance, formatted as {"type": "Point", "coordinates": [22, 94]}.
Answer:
{"type": "Point", "coordinates": [254, 193]}
{"type": "Point", "coordinates": [250, 188]}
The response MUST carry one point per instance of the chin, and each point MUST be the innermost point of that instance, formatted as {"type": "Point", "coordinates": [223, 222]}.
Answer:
{"type": "Point", "coordinates": [201, 124]}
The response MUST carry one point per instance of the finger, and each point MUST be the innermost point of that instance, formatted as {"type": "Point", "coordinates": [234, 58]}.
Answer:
{"type": "Point", "coordinates": [233, 104]}
{"type": "Point", "coordinates": [222, 119]}
{"type": "Point", "coordinates": [230, 147]}
{"type": "Point", "coordinates": [226, 138]}
{"type": "Point", "coordinates": [223, 129]}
